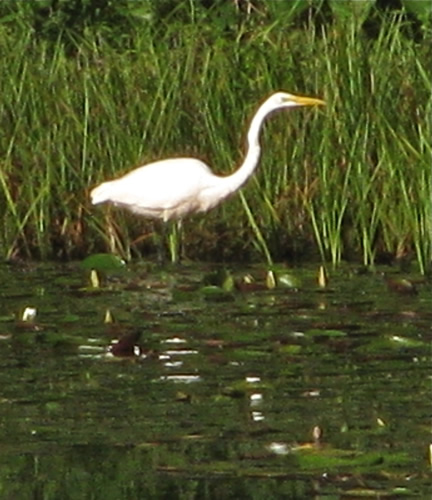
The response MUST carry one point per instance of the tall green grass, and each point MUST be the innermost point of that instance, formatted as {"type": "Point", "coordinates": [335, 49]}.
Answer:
{"type": "Point", "coordinates": [352, 180]}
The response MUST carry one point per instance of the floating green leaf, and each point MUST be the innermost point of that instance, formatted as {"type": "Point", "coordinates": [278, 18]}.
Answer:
{"type": "Point", "coordinates": [288, 280]}
{"type": "Point", "coordinates": [315, 332]}
{"type": "Point", "coordinates": [103, 262]}
{"type": "Point", "coordinates": [216, 294]}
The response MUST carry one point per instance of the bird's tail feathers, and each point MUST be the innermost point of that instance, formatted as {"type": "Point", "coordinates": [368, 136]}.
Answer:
{"type": "Point", "coordinates": [100, 194]}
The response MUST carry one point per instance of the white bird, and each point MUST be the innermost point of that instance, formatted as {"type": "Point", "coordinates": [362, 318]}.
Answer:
{"type": "Point", "coordinates": [176, 187]}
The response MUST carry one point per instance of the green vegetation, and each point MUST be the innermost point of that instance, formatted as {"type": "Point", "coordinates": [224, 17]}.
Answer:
{"type": "Point", "coordinates": [88, 93]}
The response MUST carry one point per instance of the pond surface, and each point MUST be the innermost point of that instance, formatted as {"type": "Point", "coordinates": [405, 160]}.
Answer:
{"type": "Point", "coordinates": [196, 392]}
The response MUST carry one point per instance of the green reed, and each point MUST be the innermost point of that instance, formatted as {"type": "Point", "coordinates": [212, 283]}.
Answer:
{"type": "Point", "coordinates": [351, 180]}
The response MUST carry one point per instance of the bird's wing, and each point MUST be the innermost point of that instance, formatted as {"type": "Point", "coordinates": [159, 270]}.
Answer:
{"type": "Point", "coordinates": [159, 188]}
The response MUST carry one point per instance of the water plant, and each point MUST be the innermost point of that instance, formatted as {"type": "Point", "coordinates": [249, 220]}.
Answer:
{"type": "Point", "coordinates": [353, 181]}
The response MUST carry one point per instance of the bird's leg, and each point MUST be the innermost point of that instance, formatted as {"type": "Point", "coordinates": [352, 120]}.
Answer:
{"type": "Point", "coordinates": [171, 235]}
{"type": "Point", "coordinates": [180, 240]}
{"type": "Point", "coordinates": [159, 238]}
{"type": "Point", "coordinates": [175, 242]}
{"type": "Point", "coordinates": [172, 243]}
{"type": "Point", "coordinates": [180, 232]}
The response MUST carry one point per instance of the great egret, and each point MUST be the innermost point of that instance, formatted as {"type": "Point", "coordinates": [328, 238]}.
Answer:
{"type": "Point", "coordinates": [176, 187]}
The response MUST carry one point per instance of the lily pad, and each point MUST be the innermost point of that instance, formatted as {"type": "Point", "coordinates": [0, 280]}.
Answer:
{"type": "Point", "coordinates": [103, 262]}
{"type": "Point", "coordinates": [325, 333]}
{"type": "Point", "coordinates": [288, 280]}
{"type": "Point", "coordinates": [216, 294]}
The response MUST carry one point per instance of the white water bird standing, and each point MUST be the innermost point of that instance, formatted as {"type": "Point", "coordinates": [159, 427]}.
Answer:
{"type": "Point", "coordinates": [176, 187]}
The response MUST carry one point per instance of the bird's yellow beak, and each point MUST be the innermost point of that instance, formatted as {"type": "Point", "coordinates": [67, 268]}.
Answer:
{"type": "Point", "coordinates": [307, 101]}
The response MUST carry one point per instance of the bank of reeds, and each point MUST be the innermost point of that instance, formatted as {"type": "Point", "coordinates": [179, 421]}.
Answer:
{"type": "Point", "coordinates": [352, 180]}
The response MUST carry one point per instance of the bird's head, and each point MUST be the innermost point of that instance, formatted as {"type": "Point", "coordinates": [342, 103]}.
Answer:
{"type": "Point", "coordinates": [281, 100]}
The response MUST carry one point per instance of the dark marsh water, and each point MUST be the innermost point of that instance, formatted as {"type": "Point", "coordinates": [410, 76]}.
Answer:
{"type": "Point", "coordinates": [199, 393]}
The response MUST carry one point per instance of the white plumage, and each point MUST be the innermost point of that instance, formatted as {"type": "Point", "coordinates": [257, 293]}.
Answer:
{"type": "Point", "coordinates": [173, 188]}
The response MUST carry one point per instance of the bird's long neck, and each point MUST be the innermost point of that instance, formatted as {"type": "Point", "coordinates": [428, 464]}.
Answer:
{"type": "Point", "coordinates": [238, 178]}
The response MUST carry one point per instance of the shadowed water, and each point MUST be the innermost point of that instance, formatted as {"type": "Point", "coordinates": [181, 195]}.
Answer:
{"type": "Point", "coordinates": [198, 391]}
